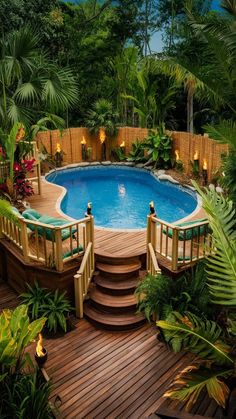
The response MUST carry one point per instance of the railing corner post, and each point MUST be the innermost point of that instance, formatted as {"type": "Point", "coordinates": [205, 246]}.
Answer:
{"type": "Point", "coordinates": [175, 239]}
{"type": "Point", "coordinates": [78, 295]}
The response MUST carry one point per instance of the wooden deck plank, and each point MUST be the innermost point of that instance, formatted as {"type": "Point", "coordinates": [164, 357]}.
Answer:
{"type": "Point", "coordinates": [8, 297]}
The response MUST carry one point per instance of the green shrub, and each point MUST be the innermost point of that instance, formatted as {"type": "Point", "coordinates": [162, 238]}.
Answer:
{"type": "Point", "coordinates": [56, 309]}
{"type": "Point", "coordinates": [54, 306]}
{"type": "Point", "coordinates": [159, 148]}
{"type": "Point", "coordinates": [160, 295]}
{"type": "Point", "coordinates": [25, 396]}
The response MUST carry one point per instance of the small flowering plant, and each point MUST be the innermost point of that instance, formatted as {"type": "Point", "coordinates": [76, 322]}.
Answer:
{"type": "Point", "coordinates": [22, 185]}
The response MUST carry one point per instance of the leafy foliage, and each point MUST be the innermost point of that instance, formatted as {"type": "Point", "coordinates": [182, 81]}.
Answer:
{"type": "Point", "coordinates": [202, 338]}
{"type": "Point", "coordinates": [25, 396]}
{"type": "Point", "coordinates": [222, 262]}
{"type": "Point", "coordinates": [55, 307]}
{"type": "Point", "coordinates": [137, 152]}
{"type": "Point", "coordinates": [194, 381]}
{"type": "Point", "coordinates": [16, 333]}
{"type": "Point", "coordinates": [160, 295]}
{"type": "Point", "coordinates": [103, 116]}
{"type": "Point", "coordinates": [6, 211]}
{"type": "Point", "coordinates": [159, 148]}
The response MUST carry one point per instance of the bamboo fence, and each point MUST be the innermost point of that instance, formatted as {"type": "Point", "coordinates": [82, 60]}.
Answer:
{"type": "Point", "coordinates": [187, 144]}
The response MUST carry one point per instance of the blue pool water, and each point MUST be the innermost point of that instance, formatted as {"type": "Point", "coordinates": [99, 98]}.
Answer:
{"type": "Point", "coordinates": [120, 196]}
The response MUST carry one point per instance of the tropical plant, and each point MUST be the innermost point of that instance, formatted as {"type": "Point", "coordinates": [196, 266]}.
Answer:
{"type": "Point", "coordinates": [159, 148]}
{"type": "Point", "coordinates": [16, 333]}
{"type": "Point", "coordinates": [35, 299]}
{"type": "Point", "coordinates": [54, 306]}
{"type": "Point", "coordinates": [56, 309]}
{"type": "Point", "coordinates": [102, 116]}
{"type": "Point", "coordinates": [25, 396]}
{"type": "Point", "coordinates": [118, 154]}
{"type": "Point", "coordinates": [137, 152]}
{"type": "Point", "coordinates": [159, 295]}
{"type": "Point", "coordinates": [214, 345]}
{"type": "Point", "coordinates": [30, 82]}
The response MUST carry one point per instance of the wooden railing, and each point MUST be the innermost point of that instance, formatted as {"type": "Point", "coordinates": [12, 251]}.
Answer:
{"type": "Point", "coordinates": [152, 265]}
{"type": "Point", "coordinates": [82, 279]}
{"type": "Point", "coordinates": [178, 245]}
{"type": "Point", "coordinates": [52, 246]}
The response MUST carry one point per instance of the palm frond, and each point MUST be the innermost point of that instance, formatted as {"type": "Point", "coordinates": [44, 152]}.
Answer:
{"type": "Point", "coordinates": [224, 132]}
{"type": "Point", "coordinates": [191, 382]}
{"type": "Point", "coordinates": [221, 266]}
{"type": "Point", "coordinates": [6, 211]}
{"type": "Point", "coordinates": [202, 338]}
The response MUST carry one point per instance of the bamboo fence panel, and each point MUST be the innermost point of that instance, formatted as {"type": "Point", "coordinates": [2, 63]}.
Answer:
{"type": "Point", "coordinates": [186, 143]}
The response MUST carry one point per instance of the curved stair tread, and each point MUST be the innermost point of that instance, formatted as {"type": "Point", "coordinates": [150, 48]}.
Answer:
{"type": "Point", "coordinates": [116, 284]}
{"type": "Point", "coordinates": [115, 301]}
{"type": "Point", "coordinates": [111, 320]}
{"type": "Point", "coordinates": [118, 269]}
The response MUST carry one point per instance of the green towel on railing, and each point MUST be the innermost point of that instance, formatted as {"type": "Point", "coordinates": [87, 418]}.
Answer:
{"type": "Point", "coordinates": [189, 234]}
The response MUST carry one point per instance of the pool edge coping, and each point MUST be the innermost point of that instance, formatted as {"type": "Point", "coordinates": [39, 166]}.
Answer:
{"type": "Point", "coordinates": [127, 230]}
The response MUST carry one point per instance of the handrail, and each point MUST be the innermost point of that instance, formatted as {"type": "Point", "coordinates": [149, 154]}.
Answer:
{"type": "Point", "coordinates": [178, 245]}
{"type": "Point", "coordinates": [152, 265]}
{"type": "Point", "coordinates": [83, 278]}
{"type": "Point", "coordinates": [53, 246]}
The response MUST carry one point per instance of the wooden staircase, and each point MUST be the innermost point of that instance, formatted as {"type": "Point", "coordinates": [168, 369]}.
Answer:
{"type": "Point", "coordinates": [111, 304]}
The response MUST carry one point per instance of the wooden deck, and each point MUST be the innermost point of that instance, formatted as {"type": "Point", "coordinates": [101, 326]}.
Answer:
{"type": "Point", "coordinates": [100, 374]}
{"type": "Point", "coordinates": [8, 297]}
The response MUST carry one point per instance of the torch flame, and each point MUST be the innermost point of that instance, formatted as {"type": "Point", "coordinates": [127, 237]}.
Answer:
{"type": "Point", "coordinates": [102, 135]}
{"type": "Point", "coordinates": [58, 149]}
{"type": "Point", "coordinates": [39, 347]}
{"type": "Point", "coordinates": [176, 155]}
{"type": "Point", "coordinates": [83, 141]}
{"type": "Point", "coordinates": [195, 157]}
{"type": "Point", "coordinates": [204, 164]}
{"type": "Point", "coordinates": [122, 144]}
{"type": "Point", "coordinates": [89, 204]}
{"type": "Point", "coordinates": [151, 204]}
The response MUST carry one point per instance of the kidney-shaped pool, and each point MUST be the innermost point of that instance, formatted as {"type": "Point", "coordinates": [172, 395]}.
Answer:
{"type": "Point", "coordinates": [120, 196]}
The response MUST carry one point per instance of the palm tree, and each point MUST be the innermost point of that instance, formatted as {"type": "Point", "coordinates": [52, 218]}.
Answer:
{"type": "Point", "coordinates": [213, 345]}
{"type": "Point", "coordinates": [102, 116]}
{"type": "Point", "coordinates": [29, 82]}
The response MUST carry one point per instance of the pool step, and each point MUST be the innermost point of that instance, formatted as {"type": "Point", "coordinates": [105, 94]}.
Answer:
{"type": "Point", "coordinates": [111, 303]}
{"type": "Point", "coordinates": [116, 286]}
{"type": "Point", "coordinates": [109, 321]}
{"type": "Point", "coordinates": [119, 271]}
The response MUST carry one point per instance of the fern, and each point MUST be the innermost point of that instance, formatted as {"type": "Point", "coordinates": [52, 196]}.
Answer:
{"type": "Point", "coordinates": [202, 338]}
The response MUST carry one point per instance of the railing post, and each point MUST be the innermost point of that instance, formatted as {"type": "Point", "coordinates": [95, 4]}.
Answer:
{"type": "Point", "coordinates": [78, 295]}
{"type": "Point", "coordinates": [175, 239]}
{"type": "Point", "coordinates": [24, 239]}
{"type": "Point", "coordinates": [92, 238]}
{"type": "Point", "coordinates": [148, 241]}
{"type": "Point", "coordinates": [58, 253]}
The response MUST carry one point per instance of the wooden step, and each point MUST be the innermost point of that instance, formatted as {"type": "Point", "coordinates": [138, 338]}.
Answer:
{"type": "Point", "coordinates": [121, 271]}
{"type": "Point", "coordinates": [116, 260]}
{"type": "Point", "coordinates": [122, 321]}
{"type": "Point", "coordinates": [112, 303]}
{"type": "Point", "coordinates": [116, 286]}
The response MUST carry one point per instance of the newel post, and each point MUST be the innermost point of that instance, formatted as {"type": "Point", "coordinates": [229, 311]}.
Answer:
{"type": "Point", "coordinates": [58, 253]}
{"type": "Point", "coordinates": [175, 239]}
{"type": "Point", "coordinates": [78, 295]}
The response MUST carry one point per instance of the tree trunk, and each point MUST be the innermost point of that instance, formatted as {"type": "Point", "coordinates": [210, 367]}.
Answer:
{"type": "Point", "coordinates": [190, 110]}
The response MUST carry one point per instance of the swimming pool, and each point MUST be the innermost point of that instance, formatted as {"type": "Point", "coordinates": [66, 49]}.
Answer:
{"type": "Point", "coordinates": [120, 196]}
